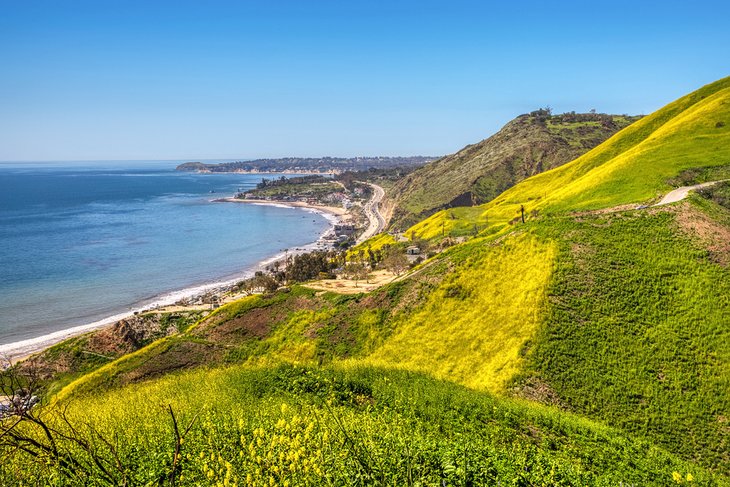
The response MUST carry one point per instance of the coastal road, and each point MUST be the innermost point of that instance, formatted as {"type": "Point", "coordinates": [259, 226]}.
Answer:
{"type": "Point", "coordinates": [372, 211]}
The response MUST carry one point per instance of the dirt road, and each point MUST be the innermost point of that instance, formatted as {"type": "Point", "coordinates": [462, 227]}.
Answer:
{"type": "Point", "coordinates": [681, 193]}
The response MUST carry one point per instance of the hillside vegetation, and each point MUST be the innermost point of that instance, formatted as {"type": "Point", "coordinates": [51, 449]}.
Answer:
{"type": "Point", "coordinates": [636, 331]}
{"type": "Point", "coordinates": [471, 328]}
{"type": "Point", "coordinates": [528, 145]}
{"type": "Point", "coordinates": [442, 320]}
{"type": "Point", "coordinates": [589, 345]}
{"type": "Point", "coordinates": [290, 425]}
{"type": "Point", "coordinates": [634, 166]}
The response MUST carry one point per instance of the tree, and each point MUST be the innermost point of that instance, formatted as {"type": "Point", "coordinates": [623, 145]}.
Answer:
{"type": "Point", "coordinates": [304, 267]}
{"type": "Point", "coordinates": [356, 271]}
{"type": "Point", "coordinates": [264, 282]}
{"type": "Point", "coordinates": [395, 261]}
{"type": "Point", "coordinates": [247, 286]}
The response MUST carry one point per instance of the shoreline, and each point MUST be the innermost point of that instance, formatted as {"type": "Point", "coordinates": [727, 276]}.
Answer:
{"type": "Point", "coordinates": [332, 210]}
{"type": "Point", "coordinates": [18, 351]}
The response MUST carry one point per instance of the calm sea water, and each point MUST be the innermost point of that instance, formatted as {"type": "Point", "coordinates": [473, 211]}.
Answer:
{"type": "Point", "coordinates": [80, 242]}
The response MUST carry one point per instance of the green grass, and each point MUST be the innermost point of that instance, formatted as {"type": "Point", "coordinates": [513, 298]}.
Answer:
{"type": "Point", "coordinates": [312, 190]}
{"type": "Point", "coordinates": [637, 334]}
{"type": "Point", "coordinates": [443, 321]}
{"type": "Point", "coordinates": [332, 426]}
{"type": "Point", "coordinates": [701, 174]}
{"type": "Point", "coordinates": [471, 328]}
{"type": "Point", "coordinates": [374, 243]}
{"type": "Point", "coordinates": [618, 318]}
{"type": "Point", "coordinates": [301, 326]}
{"type": "Point", "coordinates": [71, 359]}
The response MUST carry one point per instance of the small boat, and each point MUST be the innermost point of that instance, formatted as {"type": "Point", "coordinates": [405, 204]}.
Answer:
{"type": "Point", "coordinates": [212, 191]}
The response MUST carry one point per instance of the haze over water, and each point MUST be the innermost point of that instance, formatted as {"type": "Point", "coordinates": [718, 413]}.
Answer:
{"type": "Point", "coordinates": [81, 241]}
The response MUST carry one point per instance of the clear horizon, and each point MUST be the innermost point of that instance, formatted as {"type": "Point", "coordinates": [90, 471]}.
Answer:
{"type": "Point", "coordinates": [171, 81]}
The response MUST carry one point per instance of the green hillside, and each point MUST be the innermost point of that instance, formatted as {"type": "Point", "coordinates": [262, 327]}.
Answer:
{"type": "Point", "coordinates": [580, 323]}
{"type": "Point", "coordinates": [293, 425]}
{"type": "Point", "coordinates": [634, 166]}
{"type": "Point", "coordinates": [588, 346]}
{"type": "Point", "coordinates": [636, 329]}
{"type": "Point", "coordinates": [392, 326]}
{"type": "Point", "coordinates": [528, 145]}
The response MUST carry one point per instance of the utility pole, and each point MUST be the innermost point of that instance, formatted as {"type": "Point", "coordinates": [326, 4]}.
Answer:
{"type": "Point", "coordinates": [522, 210]}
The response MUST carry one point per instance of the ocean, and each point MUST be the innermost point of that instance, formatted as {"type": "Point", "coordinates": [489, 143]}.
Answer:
{"type": "Point", "coordinates": [84, 243]}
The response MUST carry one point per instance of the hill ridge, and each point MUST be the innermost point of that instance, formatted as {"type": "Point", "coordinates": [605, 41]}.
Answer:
{"type": "Point", "coordinates": [527, 145]}
{"type": "Point", "coordinates": [647, 156]}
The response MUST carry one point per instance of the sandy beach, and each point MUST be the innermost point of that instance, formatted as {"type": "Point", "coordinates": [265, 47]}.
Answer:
{"type": "Point", "coordinates": [332, 210]}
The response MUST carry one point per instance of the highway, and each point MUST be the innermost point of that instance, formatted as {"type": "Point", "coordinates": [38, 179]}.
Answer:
{"type": "Point", "coordinates": [372, 211]}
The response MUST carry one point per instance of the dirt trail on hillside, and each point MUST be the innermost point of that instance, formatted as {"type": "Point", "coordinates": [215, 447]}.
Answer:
{"type": "Point", "coordinates": [681, 193]}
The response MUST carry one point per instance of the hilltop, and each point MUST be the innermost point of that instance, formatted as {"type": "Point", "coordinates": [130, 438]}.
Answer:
{"type": "Point", "coordinates": [528, 145]}
{"type": "Point", "coordinates": [587, 345]}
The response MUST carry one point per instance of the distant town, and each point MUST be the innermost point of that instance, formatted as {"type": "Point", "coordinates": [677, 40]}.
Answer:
{"type": "Point", "coordinates": [308, 164]}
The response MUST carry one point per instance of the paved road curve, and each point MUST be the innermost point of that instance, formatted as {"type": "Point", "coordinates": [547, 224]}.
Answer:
{"type": "Point", "coordinates": [372, 211]}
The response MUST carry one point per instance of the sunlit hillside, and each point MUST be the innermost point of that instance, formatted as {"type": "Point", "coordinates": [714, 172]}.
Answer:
{"type": "Point", "coordinates": [633, 166]}
{"type": "Point", "coordinates": [528, 145]}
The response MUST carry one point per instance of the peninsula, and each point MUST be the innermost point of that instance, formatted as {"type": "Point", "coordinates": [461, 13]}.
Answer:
{"type": "Point", "coordinates": [327, 165]}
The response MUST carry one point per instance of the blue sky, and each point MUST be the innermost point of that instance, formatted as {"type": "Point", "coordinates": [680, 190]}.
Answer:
{"type": "Point", "coordinates": [227, 80]}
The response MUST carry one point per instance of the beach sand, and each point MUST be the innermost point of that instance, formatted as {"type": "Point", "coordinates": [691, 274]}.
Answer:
{"type": "Point", "coordinates": [332, 210]}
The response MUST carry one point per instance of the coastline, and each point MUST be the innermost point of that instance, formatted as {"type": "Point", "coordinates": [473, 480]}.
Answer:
{"type": "Point", "coordinates": [332, 210]}
{"type": "Point", "coordinates": [15, 352]}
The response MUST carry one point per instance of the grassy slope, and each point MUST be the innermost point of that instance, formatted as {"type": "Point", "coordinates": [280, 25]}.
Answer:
{"type": "Point", "coordinates": [313, 190]}
{"type": "Point", "coordinates": [632, 166]}
{"type": "Point", "coordinates": [71, 359]}
{"type": "Point", "coordinates": [303, 325]}
{"type": "Point", "coordinates": [353, 426]}
{"type": "Point", "coordinates": [525, 146]}
{"type": "Point", "coordinates": [472, 327]}
{"type": "Point", "coordinates": [636, 331]}
{"type": "Point", "coordinates": [603, 344]}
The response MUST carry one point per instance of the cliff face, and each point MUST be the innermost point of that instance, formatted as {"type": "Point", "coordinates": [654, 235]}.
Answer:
{"type": "Point", "coordinates": [527, 145]}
